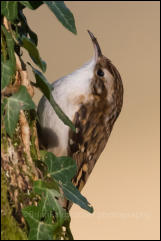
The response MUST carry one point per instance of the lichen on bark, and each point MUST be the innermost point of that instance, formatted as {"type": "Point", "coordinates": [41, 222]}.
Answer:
{"type": "Point", "coordinates": [9, 227]}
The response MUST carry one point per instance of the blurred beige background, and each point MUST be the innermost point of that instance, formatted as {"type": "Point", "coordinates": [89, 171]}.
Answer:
{"type": "Point", "coordinates": [124, 186]}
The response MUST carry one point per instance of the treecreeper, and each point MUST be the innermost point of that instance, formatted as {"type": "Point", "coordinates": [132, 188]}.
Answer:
{"type": "Point", "coordinates": [92, 97]}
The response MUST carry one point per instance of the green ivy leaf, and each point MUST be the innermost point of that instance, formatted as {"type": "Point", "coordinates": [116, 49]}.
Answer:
{"type": "Point", "coordinates": [63, 14]}
{"type": "Point", "coordinates": [60, 168]}
{"type": "Point", "coordinates": [40, 218]}
{"type": "Point", "coordinates": [9, 9]}
{"type": "Point", "coordinates": [33, 36]}
{"type": "Point", "coordinates": [33, 52]}
{"type": "Point", "coordinates": [38, 229]}
{"type": "Point", "coordinates": [6, 72]}
{"type": "Point", "coordinates": [31, 4]}
{"type": "Point", "coordinates": [63, 169]}
{"type": "Point", "coordinates": [49, 201]}
{"type": "Point", "coordinates": [73, 194]}
{"type": "Point", "coordinates": [25, 28]}
{"type": "Point", "coordinates": [46, 89]}
{"type": "Point", "coordinates": [10, 49]}
{"type": "Point", "coordinates": [19, 101]}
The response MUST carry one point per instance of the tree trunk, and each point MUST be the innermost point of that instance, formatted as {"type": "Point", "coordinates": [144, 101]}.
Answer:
{"type": "Point", "coordinates": [17, 165]}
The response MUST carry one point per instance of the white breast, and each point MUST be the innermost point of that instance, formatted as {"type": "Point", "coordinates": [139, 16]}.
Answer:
{"type": "Point", "coordinates": [66, 92]}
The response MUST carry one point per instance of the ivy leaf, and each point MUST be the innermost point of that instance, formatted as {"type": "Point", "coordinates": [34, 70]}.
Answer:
{"type": "Point", "coordinates": [10, 48]}
{"type": "Point", "coordinates": [73, 194]}
{"type": "Point", "coordinates": [31, 4]}
{"type": "Point", "coordinates": [63, 169]}
{"type": "Point", "coordinates": [26, 29]}
{"type": "Point", "coordinates": [9, 9]}
{"type": "Point", "coordinates": [49, 202]}
{"type": "Point", "coordinates": [19, 101]}
{"type": "Point", "coordinates": [33, 36]}
{"type": "Point", "coordinates": [33, 52]}
{"type": "Point", "coordinates": [46, 89]}
{"type": "Point", "coordinates": [6, 72]}
{"type": "Point", "coordinates": [45, 230]}
{"type": "Point", "coordinates": [38, 229]}
{"type": "Point", "coordinates": [60, 168]}
{"type": "Point", "coordinates": [63, 14]}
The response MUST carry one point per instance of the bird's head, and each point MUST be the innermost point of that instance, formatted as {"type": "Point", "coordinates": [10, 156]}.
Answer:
{"type": "Point", "coordinates": [106, 78]}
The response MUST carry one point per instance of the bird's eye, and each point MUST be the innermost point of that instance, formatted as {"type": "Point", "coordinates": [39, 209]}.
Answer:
{"type": "Point", "coordinates": [100, 73]}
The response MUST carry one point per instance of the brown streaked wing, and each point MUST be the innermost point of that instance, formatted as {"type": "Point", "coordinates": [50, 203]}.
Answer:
{"type": "Point", "coordinates": [86, 145]}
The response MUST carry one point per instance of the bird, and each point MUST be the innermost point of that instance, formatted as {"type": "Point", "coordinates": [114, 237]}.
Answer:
{"type": "Point", "coordinates": [92, 97]}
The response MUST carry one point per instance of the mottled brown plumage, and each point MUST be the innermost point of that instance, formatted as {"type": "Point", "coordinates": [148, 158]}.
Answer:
{"type": "Point", "coordinates": [94, 122]}
{"type": "Point", "coordinates": [94, 96]}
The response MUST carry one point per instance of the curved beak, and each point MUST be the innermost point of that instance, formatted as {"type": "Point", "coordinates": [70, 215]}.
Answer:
{"type": "Point", "coordinates": [97, 48]}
